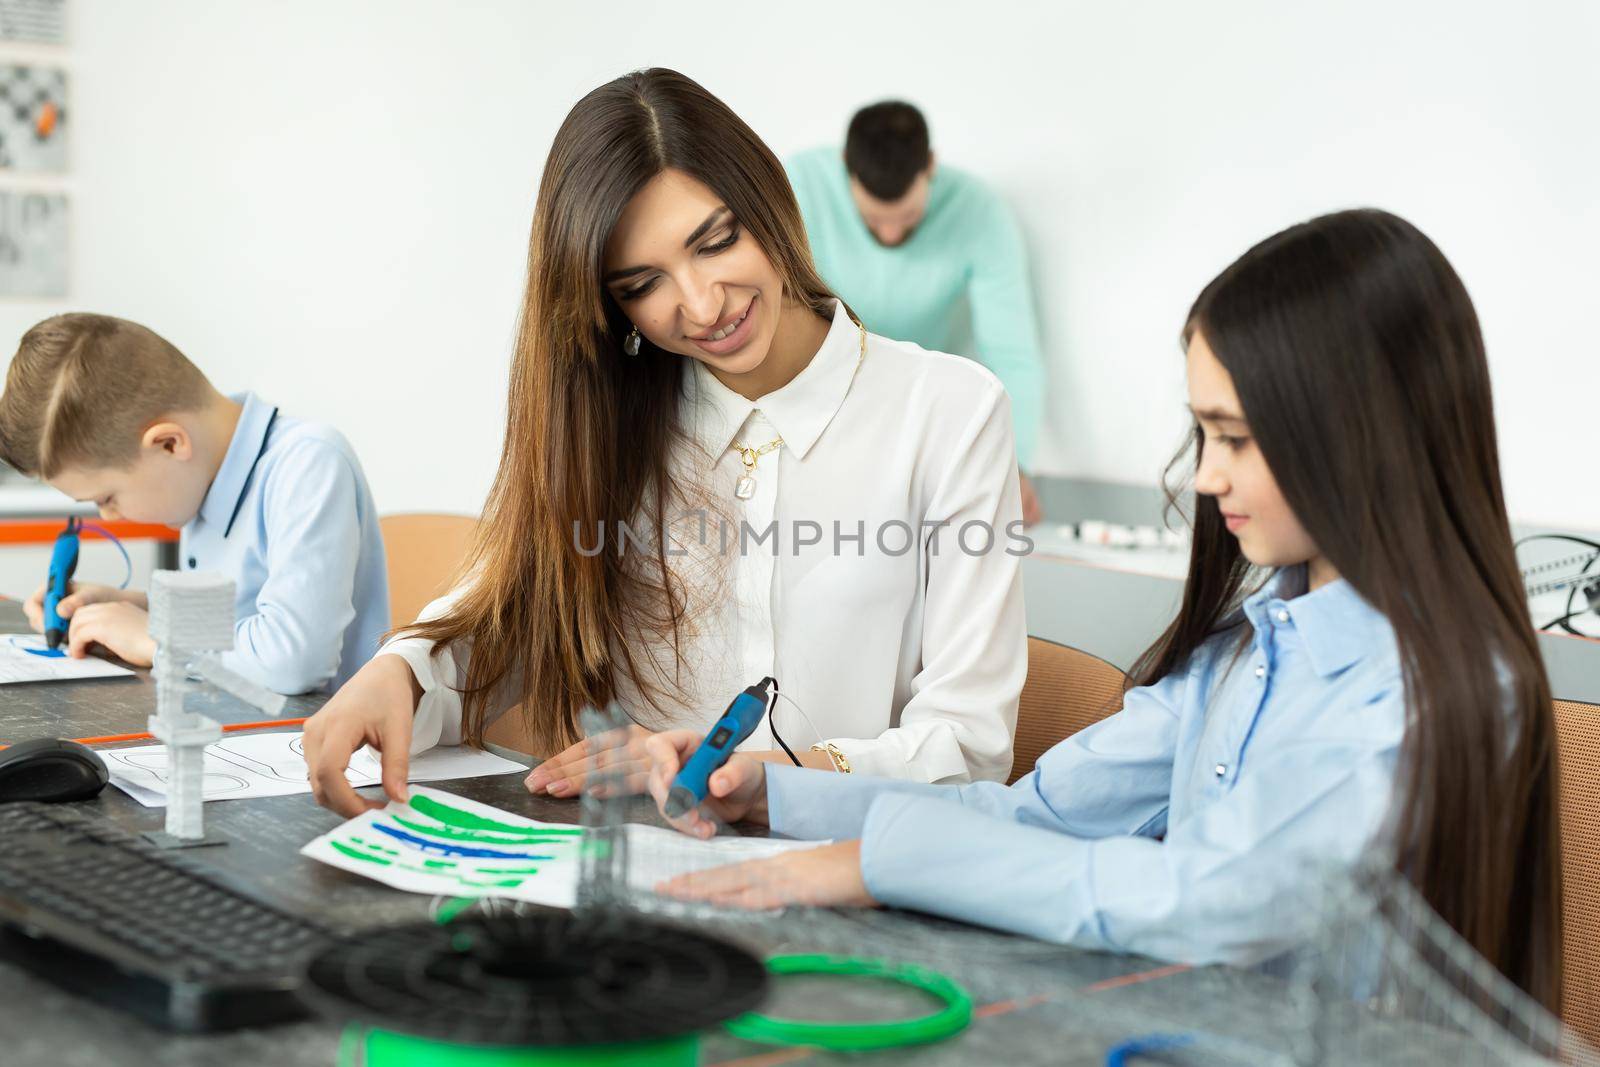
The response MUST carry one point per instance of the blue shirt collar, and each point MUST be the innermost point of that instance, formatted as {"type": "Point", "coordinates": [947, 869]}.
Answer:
{"type": "Point", "coordinates": [1337, 626]}
{"type": "Point", "coordinates": [233, 477]}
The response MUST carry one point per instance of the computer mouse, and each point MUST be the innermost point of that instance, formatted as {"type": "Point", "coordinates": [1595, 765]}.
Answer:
{"type": "Point", "coordinates": [50, 770]}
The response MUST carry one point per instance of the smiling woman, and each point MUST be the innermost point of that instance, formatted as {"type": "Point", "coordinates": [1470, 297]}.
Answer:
{"type": "Point", "coordinates": [792, 496]}
{"type": "Point", "coordinates": [715, 296]}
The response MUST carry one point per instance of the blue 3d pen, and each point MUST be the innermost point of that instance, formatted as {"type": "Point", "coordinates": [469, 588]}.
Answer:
{"type": "Point", "coordinates": [737, 723]}
{"type": "Point", "coordinates": [63, 562]}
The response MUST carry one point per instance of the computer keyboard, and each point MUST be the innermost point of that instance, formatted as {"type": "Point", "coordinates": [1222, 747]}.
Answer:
{"type": "Point", "coordinates": [106, 915]}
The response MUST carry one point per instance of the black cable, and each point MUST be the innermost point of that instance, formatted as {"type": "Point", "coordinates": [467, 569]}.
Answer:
{"type": "Point", "coordinates": [1591, 593]}
{"type": "Point", "coordinates": [772, 724]}
{"type": "Point", "coordinates": [1565, 622]}
{"type": "Point", "coordinates": [1558, 537]}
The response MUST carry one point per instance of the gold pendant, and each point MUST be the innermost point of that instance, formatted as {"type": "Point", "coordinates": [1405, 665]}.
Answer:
{"type": "Point", "coordinates": [745, 487]}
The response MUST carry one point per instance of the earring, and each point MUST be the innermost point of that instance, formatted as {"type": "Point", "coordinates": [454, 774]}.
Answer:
{"type": "Point", "coordinates": [630, 344]}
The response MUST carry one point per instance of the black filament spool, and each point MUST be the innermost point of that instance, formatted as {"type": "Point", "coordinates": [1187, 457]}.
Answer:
{"type": "Point", "coordinates": [534, 980]}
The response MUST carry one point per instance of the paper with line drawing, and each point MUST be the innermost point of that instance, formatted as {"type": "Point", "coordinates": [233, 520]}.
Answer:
{"type": "Point", "coordinates": [271, 765]}
{"type": "Point", "coordinates": [446, 845]}
{"type": "Point", "coordinates": [26, 658]}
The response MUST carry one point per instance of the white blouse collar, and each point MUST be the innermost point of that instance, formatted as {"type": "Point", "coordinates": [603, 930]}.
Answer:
{"type": "Point", "coordinates": [799, 411]}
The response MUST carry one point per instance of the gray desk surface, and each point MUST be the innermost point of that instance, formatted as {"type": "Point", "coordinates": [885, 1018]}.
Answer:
{"type": "Point", "coordinates": [1038, 1003]}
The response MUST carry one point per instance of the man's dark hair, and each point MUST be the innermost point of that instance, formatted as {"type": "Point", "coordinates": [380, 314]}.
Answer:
{"type": "Point", "coordinates": [887, 147]}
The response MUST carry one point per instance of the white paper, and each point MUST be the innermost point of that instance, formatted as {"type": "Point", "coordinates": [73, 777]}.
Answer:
{"type": "Point", "coordinates": [19, 663]}
{"type": "Point", "coordinates": [656, 854]}
{"type": "Point", "coordinates": [533, 861]}
{"type": "Point", "coordinates": [274, 764]}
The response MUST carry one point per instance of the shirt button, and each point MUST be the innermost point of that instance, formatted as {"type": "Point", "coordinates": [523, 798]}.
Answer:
{"type": "Point", "coordinates": [1261, 672]}
{"type": "Point", "coordinates": [1283, 616]}
{"type": "Point", "coordinates": [193, 563]}
{"type": "Point", "coordinates": [1222, 770]}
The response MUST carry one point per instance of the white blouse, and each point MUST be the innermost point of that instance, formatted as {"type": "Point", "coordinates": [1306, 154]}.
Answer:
{"type": "Point", "coordinates": [873, 570]}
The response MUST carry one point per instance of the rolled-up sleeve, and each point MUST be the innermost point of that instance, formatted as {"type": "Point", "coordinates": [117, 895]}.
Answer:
{"type": "Point", "coordinates": [440, 671]}
{"type": "Point", "coordinates": [958, 723]}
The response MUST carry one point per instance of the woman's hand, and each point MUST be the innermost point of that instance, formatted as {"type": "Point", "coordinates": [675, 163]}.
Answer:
{"type": "Point", "coordinates": [617, 752]}
{"type": "Point", "coordinates": [375, 708]}
{"type": "Point", "coordinates": [79, 596]}
{"type": "Point", "coordinates": [737, 791]}
{"type": "Point", "coordinates": [826, 877]}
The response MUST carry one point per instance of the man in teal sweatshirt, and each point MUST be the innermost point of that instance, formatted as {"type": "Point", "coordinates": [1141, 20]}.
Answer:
{"type": "Point", "coordinates": [904, 243]}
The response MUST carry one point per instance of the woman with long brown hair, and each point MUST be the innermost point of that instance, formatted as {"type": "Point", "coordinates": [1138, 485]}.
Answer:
{"type": "Point", "coordinates": [1352, 671]}
{"type": "Point", "coordinates": [712, 473]}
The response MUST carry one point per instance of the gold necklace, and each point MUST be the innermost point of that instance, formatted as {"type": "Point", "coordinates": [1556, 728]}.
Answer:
{"type": "Point", "coordinates": [745, 487]}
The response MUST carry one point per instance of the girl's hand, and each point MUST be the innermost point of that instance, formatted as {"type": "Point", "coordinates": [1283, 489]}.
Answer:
{"type": "Point", "coordinates": [737, 791]}
{"type": "Point", "coordinates": [826, 877]}
{"type": "Point", "coordinates": [564, 774]}
{"type": "Point", "coordinates": [375, 707]}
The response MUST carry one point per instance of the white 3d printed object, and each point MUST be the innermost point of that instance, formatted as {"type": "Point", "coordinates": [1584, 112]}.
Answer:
{"type": "Point", "coordinates": [191, 618]}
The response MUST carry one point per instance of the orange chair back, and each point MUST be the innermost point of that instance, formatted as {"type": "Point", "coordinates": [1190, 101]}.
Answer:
{"type": "Point", "coordinates": [424, 551]}
{"type": "Point", "coordinates": [1578, 763]}
{"type": "Point", "coordinates": [1065, 691]}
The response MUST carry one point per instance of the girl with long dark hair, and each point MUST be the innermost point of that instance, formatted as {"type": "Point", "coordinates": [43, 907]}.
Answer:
{"type": "Point", "coordinates": [712, 473]}
{"type": "Point", "coordinates": [1352, 668]}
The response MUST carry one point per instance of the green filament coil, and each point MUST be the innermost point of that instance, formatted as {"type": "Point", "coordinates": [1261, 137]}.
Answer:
{"type": "Point", "coordinates": [949, 1020]}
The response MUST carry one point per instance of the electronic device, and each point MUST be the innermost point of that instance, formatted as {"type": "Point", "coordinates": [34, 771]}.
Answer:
{"type": "Point", "coordinates": [729, 732]}
{"type": "Point", "coordinates": [106, 915]}
{"type": "Point", "coordinates": [63, 564]}
{"type": "Point", "coordinates": [46, 769]}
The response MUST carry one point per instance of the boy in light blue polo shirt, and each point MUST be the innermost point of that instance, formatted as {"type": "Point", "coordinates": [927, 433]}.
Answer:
{"type": "Point", "coordinates": [107, 411]}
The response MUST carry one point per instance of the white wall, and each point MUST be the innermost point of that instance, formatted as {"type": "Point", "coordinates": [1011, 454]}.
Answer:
{"type": "Point", "coordinates": [328, 201]}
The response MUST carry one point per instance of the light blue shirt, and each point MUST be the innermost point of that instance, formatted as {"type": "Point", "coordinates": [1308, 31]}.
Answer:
{"type": "Point", "coordinates": [1194, 825]}
{"type": "Point", "coordinates": [967, 249]}
{"type": "Point", "coordinates": [290, 519]}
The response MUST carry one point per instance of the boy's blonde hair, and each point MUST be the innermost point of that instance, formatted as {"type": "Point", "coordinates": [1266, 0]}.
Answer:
{"type": "Point", "coordinates": [83, 388]}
